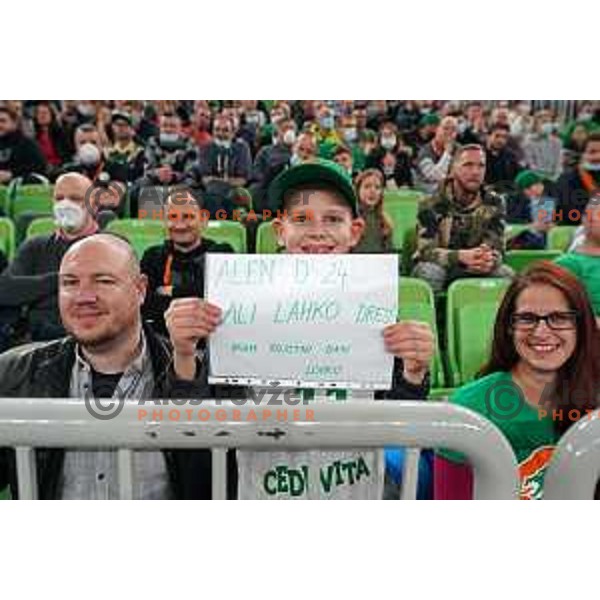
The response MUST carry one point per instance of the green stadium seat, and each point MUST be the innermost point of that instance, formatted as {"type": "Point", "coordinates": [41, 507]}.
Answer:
{"type": "Point", "coordinates": [519, 260]}
{"type": "Point", "coordinates": [7, 237]}
{"type": "Point", "coordinates": [141, 234]}
{"type": "Point", "coordinates": [5, 494]}
{"type": "Point", "coordinates": [470, 314]}
{"type": "Point", "coordinates": [266, 241]}
{"type": "Point", "coordinates": [402, 207]}
{"type": "Point", "coordinates": [440, 393]}
{"type": "Point", "coordinates": [405, 194]}
{"type": "Point", "coordinates": [41, 226]}
{"type": "Point", "coordinates": [34, 198]}
{"type": "Point", "coordinates": [473, 338]}
{"type": "Point", "coordinates": [560, 238]}
{"type": "Point", "coordinates": [4, 199]}
{"type": "Point", "coordinates": [513, 230]}
{"type": "Point", "coordinates": [415, 302]}
{"type": "Point", "coordinates": [228, 232]}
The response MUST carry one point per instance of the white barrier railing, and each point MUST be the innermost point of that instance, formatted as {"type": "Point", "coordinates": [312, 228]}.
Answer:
{"type": "Point", "coordinates": [574, 470]}
{"type": "Point", "coordinates": [65, 423]}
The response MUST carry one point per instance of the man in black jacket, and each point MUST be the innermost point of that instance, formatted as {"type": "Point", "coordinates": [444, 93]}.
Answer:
{"type": "Point", "coordinates": [175, 269]}
{"type": "Point", "coordinates": [20, 156]}
{"type": "Point", "coordinates": [502, 167]}
{"type": "Point", "coordinates": [107, 354]}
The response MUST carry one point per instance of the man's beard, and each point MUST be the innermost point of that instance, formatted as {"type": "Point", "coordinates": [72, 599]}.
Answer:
{"type": "Point", "coordinates": [463, 194]}
{"type": "Point", "coordinates": [96, 341]}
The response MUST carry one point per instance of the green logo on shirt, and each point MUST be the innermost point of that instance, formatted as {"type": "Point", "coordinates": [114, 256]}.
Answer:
{"type": "Point", "coordinates": [295, 482]}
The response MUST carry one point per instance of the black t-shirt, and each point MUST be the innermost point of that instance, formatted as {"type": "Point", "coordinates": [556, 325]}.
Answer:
{"type": "Point", "coordinates": [187, 277]}
{"type": "Point", "coordinates": [104, 384]}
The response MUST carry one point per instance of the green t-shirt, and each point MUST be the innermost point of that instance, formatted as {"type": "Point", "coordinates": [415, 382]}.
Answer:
{"type": "Point", "coordinates": [587, 269]}
{"type": "Point", "coordinates": [531, 437]}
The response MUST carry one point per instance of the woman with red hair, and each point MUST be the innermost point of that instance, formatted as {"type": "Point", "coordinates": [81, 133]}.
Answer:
{"type": "Point", "coordinates": [542, 376]}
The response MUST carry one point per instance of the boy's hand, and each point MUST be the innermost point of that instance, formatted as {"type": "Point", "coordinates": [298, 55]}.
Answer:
{"type": "Point", "coordinates": [413, 342]}
{"type": "Point", "coordinates": [189, 320]}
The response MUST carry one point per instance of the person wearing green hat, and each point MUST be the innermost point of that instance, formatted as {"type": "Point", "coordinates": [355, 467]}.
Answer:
{"type": "Point", "coordinates": [423, 133]}
{"type": "Point", "coordinates": [367, 141]}
{"type": "Point", "coordinates": [531, 206]}
{"type": "Point", "coordinates": [318, 214]}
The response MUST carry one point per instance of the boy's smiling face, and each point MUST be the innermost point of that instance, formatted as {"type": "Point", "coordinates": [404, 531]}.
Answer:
{"type": "Point", "coordinates": [318, 222]}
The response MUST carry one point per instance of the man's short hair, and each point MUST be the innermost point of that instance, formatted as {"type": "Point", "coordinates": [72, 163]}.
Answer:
{"type": "Point", "coordinates": [170, 115]}
{"type": "Point", "coordinates": [460, 150]}
{"type": "Point", "coordinates": [285, 122]}
{"type": "Point", "coordinates": [592, 137]}
{"type": "Point", "coordinates": [7, 110]}
{"type": "Point", "coordinates": [283, 106]}
{"type": "Point", "coordinates": [87, 128]}
{"type": "Point", "coordinates": [499, 127]}
{"type": "Point", "coordinates": [388, 125]}
{"type": "Point", "coordinates": [341, 149]}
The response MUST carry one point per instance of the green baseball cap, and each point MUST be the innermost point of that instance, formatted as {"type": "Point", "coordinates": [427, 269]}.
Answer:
{"type": "Point", "coordinates": [315, 172]}
{"type": "Point", "coordinates": [430, 119]}
{"type": "Point", "coordinates": [526, 179]}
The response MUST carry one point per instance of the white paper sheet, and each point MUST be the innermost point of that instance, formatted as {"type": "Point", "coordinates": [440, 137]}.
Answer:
{"type": "Point", "coordinates": [300, 320]}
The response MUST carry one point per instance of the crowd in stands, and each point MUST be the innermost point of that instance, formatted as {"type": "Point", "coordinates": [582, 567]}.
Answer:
{"type": "Point", "coordinates": [475, 173]}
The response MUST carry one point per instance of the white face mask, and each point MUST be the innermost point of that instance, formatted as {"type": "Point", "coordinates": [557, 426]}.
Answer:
{"type": "Point", "coordinates": [289, 137]}
{"type": "Point", "coordinates": [253, 118]}
{"type": "Point", "coordinates": [388, 141]}
{"type": "Point", "coordinates": [68, 215]}
{"type": "Point", "coordinates": [86, 110]}
{"type": "Point", "coordinates": [350, 134]}
{"type": "Point", "coordinates": [588, 166]}
{"type": "Point", "coordinates": [88, 154]}
{"type": "Point", "coordinates": [223, 143]}
{"type": "Point", "coordinates": [168, 139]}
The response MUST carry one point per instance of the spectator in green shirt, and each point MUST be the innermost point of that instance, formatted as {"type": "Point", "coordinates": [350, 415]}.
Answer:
{"type": "Point", "coordinates": [584, 261]}
{"type": "Point", "coordinates": [541, 377]}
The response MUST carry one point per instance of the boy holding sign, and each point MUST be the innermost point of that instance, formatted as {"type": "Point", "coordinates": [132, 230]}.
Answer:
{"type": "Point", "coordinates": [319, 217]}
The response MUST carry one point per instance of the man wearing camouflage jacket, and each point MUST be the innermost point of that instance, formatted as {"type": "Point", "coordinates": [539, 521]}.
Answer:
{"type": "Point", "coordinates": [461, 227]}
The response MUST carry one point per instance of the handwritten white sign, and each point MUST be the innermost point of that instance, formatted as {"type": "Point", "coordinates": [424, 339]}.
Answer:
{"type": "Point", "coordinates": [304, 321]}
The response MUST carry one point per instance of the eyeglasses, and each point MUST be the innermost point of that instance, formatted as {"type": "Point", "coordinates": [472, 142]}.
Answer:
{"type": "Point", "coordinates": [559, 320]}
